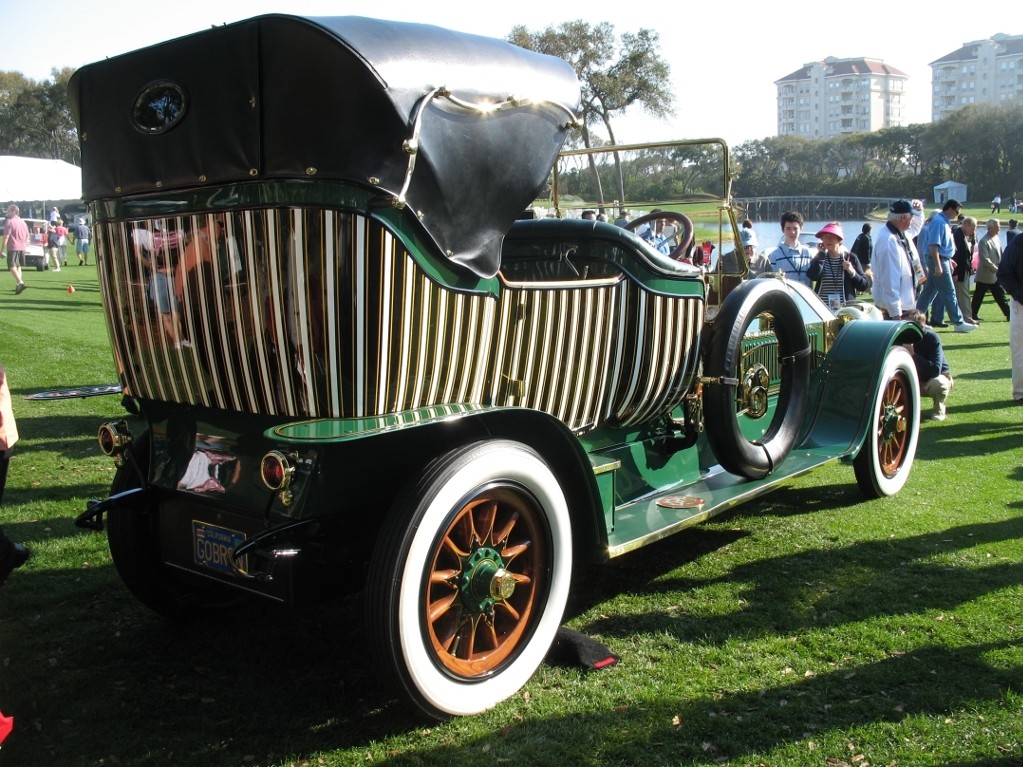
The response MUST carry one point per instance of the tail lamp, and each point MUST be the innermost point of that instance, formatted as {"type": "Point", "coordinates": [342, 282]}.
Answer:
{"type": "Point", "coordinates": [276, 470]}
{"type": "Point", "coordinates": [114, 438]}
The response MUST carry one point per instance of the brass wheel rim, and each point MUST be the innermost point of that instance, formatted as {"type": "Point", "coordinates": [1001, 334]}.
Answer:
{"type": "Point", "coordinates": [485, 581]}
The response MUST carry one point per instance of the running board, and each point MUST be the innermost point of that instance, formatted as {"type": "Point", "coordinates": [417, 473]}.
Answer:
{"type": "Point", "coordinates": [653, 517]}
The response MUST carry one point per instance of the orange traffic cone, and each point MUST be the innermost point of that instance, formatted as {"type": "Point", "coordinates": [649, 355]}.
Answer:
{"type": "Point", "coordinates": [70, 288]}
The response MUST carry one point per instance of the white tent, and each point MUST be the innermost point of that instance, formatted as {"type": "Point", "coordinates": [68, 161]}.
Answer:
{"type": "Point", "coordinates": [30, 179]}
{"type": "Point", "coordinates": [950, 190]}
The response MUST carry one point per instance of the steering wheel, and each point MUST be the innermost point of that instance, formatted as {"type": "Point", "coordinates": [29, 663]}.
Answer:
{"type": "Point", "coordinates": [685, 235]}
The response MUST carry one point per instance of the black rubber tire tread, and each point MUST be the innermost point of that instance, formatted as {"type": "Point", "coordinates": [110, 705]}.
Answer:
{"type": "Point", "coordinates": [733, 450]}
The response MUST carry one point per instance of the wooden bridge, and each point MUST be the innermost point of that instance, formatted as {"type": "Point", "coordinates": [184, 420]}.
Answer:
{"type": "Point", "coordinates": [812, 208]}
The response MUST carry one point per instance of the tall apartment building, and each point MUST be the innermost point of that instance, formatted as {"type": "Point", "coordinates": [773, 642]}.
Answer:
{"type": "Point", "coordinates": [836, 97]}
{"type": "Point", "coordinates": [982, 72]}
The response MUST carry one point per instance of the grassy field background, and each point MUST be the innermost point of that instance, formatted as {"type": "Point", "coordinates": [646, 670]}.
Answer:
{"type": "Point", "coordinates": [810, 628]}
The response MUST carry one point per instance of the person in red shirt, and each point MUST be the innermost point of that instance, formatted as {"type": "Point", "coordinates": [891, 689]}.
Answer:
{"type": "Point", "coordinates": [15, 240]}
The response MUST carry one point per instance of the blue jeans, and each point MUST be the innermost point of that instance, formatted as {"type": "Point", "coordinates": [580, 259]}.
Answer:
{"type": "Point", "coordinates": [940, 285]}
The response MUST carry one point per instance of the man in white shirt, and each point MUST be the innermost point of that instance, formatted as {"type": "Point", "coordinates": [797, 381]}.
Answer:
{"type": "Point", "coordinates": [896, 263]}
{"type": "Point", "coordinates": [791, 257]}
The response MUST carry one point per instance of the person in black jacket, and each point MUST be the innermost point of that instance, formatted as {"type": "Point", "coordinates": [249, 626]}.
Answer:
{"type": "Point", "coordinates": [965, 238]}
{"type": "Point", "coordinates": [863, 249]}
{"type": "Point", "coordinates": [931, 365]}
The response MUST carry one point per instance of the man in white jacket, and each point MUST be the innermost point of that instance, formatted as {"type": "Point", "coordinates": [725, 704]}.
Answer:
{"type": "Point", "coordinates": [895, 260]}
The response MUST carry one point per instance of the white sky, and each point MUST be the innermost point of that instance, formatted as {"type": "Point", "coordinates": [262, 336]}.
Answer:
{"type": "Point", "coordinates": [725, 57]}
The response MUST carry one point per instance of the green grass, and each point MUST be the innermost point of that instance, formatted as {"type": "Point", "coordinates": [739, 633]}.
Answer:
{"type": "Point", "coordinates": [810, 628]}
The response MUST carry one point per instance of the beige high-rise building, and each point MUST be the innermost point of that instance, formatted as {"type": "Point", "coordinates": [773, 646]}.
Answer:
{"type": "Point", "coordinates": [982, 72]}
{"type": "Point", "coordinates": [836, 97]}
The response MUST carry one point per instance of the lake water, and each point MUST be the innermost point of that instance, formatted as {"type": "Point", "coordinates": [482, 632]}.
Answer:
{"type": "Point", "coordinates": [769, 232]}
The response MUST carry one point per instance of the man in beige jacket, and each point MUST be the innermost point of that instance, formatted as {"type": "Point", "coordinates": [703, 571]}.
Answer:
{"type": "Point", "coordinates": [989, 255]}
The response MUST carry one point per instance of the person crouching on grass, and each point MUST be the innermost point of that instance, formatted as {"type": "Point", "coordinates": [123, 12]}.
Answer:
{"type": "Point", "coordinates": [931, 365]}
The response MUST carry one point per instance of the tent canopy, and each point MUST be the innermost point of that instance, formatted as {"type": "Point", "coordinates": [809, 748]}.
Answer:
{"type": "Point", "coordinates": [950, 190]}
{"type": "Point", "coordinates": [30, 179]}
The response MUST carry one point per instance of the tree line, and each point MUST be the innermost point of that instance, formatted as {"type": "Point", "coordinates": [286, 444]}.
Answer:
{"type": "Point", "coordinates": [979, 145]}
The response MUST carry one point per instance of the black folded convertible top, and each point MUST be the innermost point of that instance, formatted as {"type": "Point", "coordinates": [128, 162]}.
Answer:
{"type": "Point", "coordinates": [283, 97]}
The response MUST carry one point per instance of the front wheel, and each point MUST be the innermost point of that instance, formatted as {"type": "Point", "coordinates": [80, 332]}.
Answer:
{"type": "Point", "coordinates": [883, 463]}
{"type": "Point", "coordinates": [469, 578]}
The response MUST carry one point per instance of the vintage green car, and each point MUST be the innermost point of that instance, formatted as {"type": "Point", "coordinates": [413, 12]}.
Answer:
{"type": "Point", "coordinates": [352, 363]}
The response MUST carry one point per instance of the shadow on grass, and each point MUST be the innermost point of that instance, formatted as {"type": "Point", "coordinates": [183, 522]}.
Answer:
{"type": "Point", "coordinates": [789, 501]}
{"type": "Point", "coordinates": [114, 684]}
{"type": "Point", "coordinates": [60, 303]}
{"type": "Point", "coordinates": [672, 729]}
{"type": "Point", "coordinates": [995, 374]}
{"type": "Point", "coordinates": [951, 440]}
{"type": "Point", "coordinates": [57, 433]}
{"type": "Point", "coordinates": [827, 587]}
{"type": "Point", "coordinates": [129, 688]}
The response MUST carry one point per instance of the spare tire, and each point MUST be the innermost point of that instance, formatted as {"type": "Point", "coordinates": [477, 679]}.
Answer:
{"type": "Point", "coordinates": [733, 392]}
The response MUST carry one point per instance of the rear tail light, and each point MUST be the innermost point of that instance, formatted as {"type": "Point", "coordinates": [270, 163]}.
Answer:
{"type": "Point", "coordinates": [114, 438]}
{"type": "Point", "coordinates": [276, 470]}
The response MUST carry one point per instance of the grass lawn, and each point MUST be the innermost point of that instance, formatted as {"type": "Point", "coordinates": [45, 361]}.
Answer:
{"type": "Point", "coordinates": [809, 628]}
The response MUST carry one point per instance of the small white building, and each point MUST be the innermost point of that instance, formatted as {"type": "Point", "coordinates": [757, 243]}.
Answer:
{"type": "Point", "coordinates": [950, 190]}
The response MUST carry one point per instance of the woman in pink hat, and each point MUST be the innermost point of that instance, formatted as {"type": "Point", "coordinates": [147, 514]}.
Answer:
{"type": "Point", "coordinates": [836, 273]}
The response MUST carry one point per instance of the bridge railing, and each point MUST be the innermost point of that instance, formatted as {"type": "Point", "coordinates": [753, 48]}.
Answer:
{"type": "Point", "coordinates": [823, 208]}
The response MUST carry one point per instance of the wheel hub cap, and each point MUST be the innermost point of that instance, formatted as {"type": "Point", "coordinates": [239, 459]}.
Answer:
{"type": "Point", "coordinates": [893, 423]}
{"type": "Point", "coordinates": [755, 389]}
{"type": "Point", "coordinates": [485, 581]}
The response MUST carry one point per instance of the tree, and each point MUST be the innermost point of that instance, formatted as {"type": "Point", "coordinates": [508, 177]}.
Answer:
{"type": "Point", "coordinates": [35, 118]}
{"type": "Point", "coordinates": [614, 74]}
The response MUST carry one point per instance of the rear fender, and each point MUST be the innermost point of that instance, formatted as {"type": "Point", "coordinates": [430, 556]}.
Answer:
{"type": "Point", "coordinates": [384, 452]}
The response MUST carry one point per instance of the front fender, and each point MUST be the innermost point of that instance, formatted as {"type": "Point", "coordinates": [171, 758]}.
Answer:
{"type": "Point", "coordinates": [845, 385]}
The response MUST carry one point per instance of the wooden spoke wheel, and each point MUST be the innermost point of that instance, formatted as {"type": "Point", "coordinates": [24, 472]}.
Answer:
{"type": "Point", "coordinates": [883, 464]}
{"type": "Point", "coordinates": [469, 578]}
{"type": "Point", "coordinates": [487, 575]}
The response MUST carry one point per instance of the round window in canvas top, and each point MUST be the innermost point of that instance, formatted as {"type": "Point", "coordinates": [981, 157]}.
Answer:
{"type": "Point", "coordinates": [159, 107]}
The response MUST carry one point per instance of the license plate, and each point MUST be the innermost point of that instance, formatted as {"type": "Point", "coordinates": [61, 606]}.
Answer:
{"type": "Point", "coordinates": [211, 544]}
